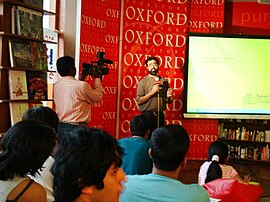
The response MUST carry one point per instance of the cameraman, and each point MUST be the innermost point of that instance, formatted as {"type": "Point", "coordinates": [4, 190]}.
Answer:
{"type": "Point", "coordinates": [73, 98]}
{"type": "Point", "coordinates": [149, 91]}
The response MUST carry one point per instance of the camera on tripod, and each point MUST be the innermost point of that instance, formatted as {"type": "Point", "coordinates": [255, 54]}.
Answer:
{"type": "Point", "coordinates": [96, 68]}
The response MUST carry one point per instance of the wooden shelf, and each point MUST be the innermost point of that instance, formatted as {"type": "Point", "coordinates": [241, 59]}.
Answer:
{"type": "Point", "coordinates": [14, 101]}
{"type": "Point", "coordinates": [25, 69]}
{"type": "Point", "coordinates": [20, 37]}
{"type": "Point", "coordinates": [19, 3]}
{"type": "Point", "coordinates": [243, 141]}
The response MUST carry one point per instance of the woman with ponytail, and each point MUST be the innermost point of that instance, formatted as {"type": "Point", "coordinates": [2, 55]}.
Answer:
{"type": "Point", "coordinates": [215, 167]}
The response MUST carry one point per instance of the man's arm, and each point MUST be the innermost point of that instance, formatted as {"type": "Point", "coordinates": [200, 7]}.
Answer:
{"type": "Point", "coordinates": [146, 97]}
{"type": "Point", "coordinates": [93, 95]}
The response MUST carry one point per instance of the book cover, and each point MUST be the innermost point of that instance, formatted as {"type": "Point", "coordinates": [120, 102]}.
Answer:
{"type": "Point", "coordinates": [37, 3]}
{"type": "Point", "coordinates": [37, 85]}
{"type": "Point", "coordinates": [17, 110]}
{"type": "Point", "coordinates": [29, 22]}
{"type": "Point", "coordinates": [18, 85]}
{"type": "Point", "coordinates": [39, 55]}
{"type": "Point", "coordinates": [20, 54]}
{"type": "Point", "coordinates": [35, 104]}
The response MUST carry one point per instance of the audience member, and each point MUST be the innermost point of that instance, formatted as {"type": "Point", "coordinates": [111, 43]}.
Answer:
{"type": "Point", "coordinates": [215, 167]}
{"type": "Point", "coordinates": [44, 176]}
{"type": "Point", "coordinates": [43, 114]}
{"type": "Point", "coordinates": [88, 167]}
{"type": "Point", "coordinates": [26, 145]}
{"type": "Point", "coordinates": [136, 159]}
{"type": "Point", "coordinates": [168, 147]}
{"type": "Point", "coordinates": [74, 98]}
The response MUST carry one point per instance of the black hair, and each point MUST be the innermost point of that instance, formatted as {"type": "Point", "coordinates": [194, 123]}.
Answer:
{"type": "Point", "coordinates": [44, 114]}
{"type": "Point", "coordinates": [82, 160]}
{"type": "Point", "coordinates": [151, 58]}
{"type": "Point", "coordinates": [169, 145]}
{"type": "Point", "coordinates": [220, 149]}
{"type": "Point", "coordinates": [26, 146]}
{"type": "Point", "coordinates": [64, 65]}
{"type": "Point", "coordinates": [139, 126]}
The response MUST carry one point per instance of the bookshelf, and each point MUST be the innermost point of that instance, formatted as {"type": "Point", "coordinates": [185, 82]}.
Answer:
{"type": "Point", "coordinates": [7, 35]}
{"type": "Point", "coordinates": [249, 140]}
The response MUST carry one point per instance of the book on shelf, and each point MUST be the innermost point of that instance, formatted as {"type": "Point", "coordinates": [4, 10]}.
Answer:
{"type": "Point", "coordinates": [37, 85]}
{"type": "Point", "coordinates": [18, 85]}
{"type": "Point", "coordinates": [17, 110]}
{"type": "Point", "coordinates": [29, 22]}
{"type": "Point", "coordinates": [37, 3]}
{"type": "Point", "coordinates": [39, 55]}
{"type": "Point", "coordinates": [35, 104]}
{"type": "Point", "coordinates": [20, 54]}
{"type": "Point", "coordinates": [13, 20]}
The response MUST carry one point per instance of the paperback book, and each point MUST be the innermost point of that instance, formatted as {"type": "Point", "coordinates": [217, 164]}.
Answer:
{"type": "Point", "coordinates": [20, 54]}
{"type": "Point", "coordinates": [17, 110]}
{"type": "Point", "coordinates": [18, 85]}
{"type": "Point", "coordinates": [39, 55]}
{"type": "Point", "coordinates": [37, 85]}
{"type": "Point", "coordinates": [29, 22]}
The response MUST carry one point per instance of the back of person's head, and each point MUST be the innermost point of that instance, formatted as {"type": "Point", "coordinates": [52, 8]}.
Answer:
{"type": "Point", "coordinates": [82, 160]}
{"type": "Point", "coordinates": [151, 58]}
{"type": "Point", "coordinates": [26, 146]}
{"type": "Point", "coordinates": [169, 145]}
{"type": "Point", "coordinates": [64, 65]}
{"type": "Point", "coordinates": [43, 114]}
{"type": "Point", "coordinates": [218, 152]}
{"type": "Point", "coordinates": [139, 126]}
{"type": "Point", "coordinates": [220, 149]}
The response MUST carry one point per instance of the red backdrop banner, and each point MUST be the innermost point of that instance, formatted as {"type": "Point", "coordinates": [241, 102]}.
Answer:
{"type": "Point", "coordinates": [159, 29]}
{"type": "Point", "coordinates": [100, 33]}
{"type": "Point", "coordinates": [148, 28]}
{"type": "Point", "coordinates": [151, 29]}
{"type": "Point", "coordinates": [252, 15]}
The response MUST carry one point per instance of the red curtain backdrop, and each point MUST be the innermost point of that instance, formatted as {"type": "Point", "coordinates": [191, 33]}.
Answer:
{"type": "Point", "coordinates": [148, 28]}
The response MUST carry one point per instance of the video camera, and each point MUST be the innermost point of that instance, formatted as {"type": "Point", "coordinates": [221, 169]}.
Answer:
{"type": "Point", "coordinates": [96, 68]}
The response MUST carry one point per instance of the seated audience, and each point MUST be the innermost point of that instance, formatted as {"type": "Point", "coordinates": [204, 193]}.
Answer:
{"type": "Point", "coordinates": [215, 167]}
{"type": "Point", "coordinates": [26, 145]}
{"type": "Point", "coordinates": [44, 176]}
{"type": "Point", "coordinates": [168, 148]}
{"type": "Point", "coordinates": [136, 159]}
{"type": "Point", "coordinates": [88, 167]}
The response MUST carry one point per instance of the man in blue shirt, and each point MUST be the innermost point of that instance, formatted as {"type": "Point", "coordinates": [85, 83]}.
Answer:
{"type": "Point", "coordinates": [136, 159]}
{"type": "Point", "coordinates": [168, 147]}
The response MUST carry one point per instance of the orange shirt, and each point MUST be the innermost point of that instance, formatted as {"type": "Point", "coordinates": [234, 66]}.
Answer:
{"type": "Point", "coordinates": [73, 99]}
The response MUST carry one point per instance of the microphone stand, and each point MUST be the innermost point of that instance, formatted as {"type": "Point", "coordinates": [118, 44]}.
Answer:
{"type": "Point", "coordinates": [158, 97]}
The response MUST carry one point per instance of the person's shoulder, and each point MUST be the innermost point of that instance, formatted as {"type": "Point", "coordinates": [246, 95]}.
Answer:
{"type": "Point", "coordinates": [126, 139]}
{"type": "Point", "coordinates": [35, 192]}
{"type": "Point", "coordinates": [197, 189]}
{"type": "Point", "coordinates": [206, 163]}
{"type": "Point", "coordinates": [137, 177]}
{"type": "Point", "coordinates": [144, 79]}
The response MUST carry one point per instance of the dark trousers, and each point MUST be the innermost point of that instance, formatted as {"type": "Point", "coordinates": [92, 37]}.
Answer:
{"type": "Point", "coordinates": [152, 118]}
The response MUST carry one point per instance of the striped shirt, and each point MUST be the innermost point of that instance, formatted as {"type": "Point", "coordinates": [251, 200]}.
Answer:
{"type": "Point", "coordinates": [73, 99]}
{"type": "Point", "coordinates": [227, 171]}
